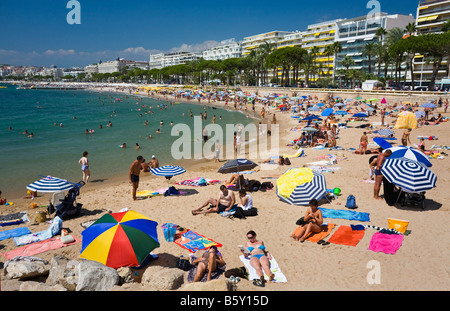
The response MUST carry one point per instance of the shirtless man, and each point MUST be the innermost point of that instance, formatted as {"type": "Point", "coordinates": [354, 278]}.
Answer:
{"type": "Point", "coordinates": [364, 141]}
{"type": "Point", "coordinates": [313, 220]}
{"type": "Point", "coordinates": [378, 175]}
{"type": "Point", "coordinates": [224, 202]}
{"type": "Point", "coordinates": [405, 137]}
{"type": "Point", "coordinates": [155, 162]}
{"type": "Point", "coordinates": [135, 170]}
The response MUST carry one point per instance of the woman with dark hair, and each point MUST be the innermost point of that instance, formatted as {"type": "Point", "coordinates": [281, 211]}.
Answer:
{"type": "Point", "coordinates": [259, 258]}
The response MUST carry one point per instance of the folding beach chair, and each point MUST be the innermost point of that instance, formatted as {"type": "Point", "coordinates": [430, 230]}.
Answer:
{"type": "Point", "coordinates": [407, 197]}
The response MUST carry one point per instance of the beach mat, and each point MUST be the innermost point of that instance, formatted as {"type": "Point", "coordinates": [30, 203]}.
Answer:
{"type": "Point", "coordinates": [14, 233]}
{"type": "Point", "coordinates": [38, 248]}
{"type": "Point", "coordinates": [193, 241]}
{"type": "Point", "coordinates": [54, 229]}
{"type": "Point", "coordinates": [386, 243]}
{"type": "Point", "coordinates": [13, 219]}
{"type": "Point", "coordinates": [344, 214]}
{"type": "Point", "coordinates": [274, 268]}
{"type": "Point", "coordinates": [316, 237]}
{"type": "Point", "coordinates": [346, 236]}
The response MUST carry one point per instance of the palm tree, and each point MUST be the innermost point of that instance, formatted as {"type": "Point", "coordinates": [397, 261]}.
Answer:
{"type": "Point", "coordinates": [329, 50]}
{"type": "Point", "coordinates": [369, 50]}
{"type": "Point", "coordinates": [315, 50]}
{"type": "Point", "coordinates": [337, 48]}
{"type": "Point", "coordinates": [380, 33]}
{"type": "Point", "coordinates": [263, 51]}
{"type": "Point", "coordinates": [347, 61]}
{"type": "Point", "coordinates": [446, 26]}
{"type": "Point", "coordinates": [411, 28]}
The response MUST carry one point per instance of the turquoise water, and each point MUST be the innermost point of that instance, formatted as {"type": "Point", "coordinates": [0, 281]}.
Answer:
{"type": "Point", "coordinates": [55, 150]}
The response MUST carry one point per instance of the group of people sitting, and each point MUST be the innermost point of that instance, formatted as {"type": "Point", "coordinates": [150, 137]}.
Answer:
{"type": "Point", "coordinates": [323, 136]}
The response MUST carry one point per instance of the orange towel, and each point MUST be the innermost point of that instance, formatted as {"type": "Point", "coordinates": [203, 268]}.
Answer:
{"type": "Point", "coordinates": [346, 236]}
{"type": "Point", "coordinates": [316, 237]}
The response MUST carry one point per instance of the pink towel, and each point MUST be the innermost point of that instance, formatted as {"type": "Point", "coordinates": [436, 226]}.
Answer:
{"type": "Point", "coordinates": [386, 243]}
{"type": "Point", "coordinates": [37, 248]}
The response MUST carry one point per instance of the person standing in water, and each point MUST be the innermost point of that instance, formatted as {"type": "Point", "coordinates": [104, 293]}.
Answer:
{"type": "Point", "coordinates": [85, 167]}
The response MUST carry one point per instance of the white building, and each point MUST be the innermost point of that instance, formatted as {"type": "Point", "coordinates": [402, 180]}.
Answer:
{"type": "Point", "coordinates": [91, 69]}
{"type": "Point", "coordinates": [162, 60]}
{"type": "Point", "coordinates": [111, 66]}
{"type": "Point", "coordinates": [227, 49]}
{"type": "Point", "coordinates": [253, 42]}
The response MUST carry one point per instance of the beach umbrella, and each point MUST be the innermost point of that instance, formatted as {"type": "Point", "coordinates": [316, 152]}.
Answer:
{"type": "Point", "coordinates": [405, 120]}
{"type": "Point", "coordinates": [382, 143]}
{"type": "Point", "coordinates": [311, 118]}
{"type": "Point", "coordinates": [372, 99]}
{"type": "Point", "coordinates": [168, 171]}
{"type": "Point", "coordinates": [383, 101]}
{"type": "Point", "coordinates": [50, 184]}
{"type": "Point", "coordinates": [429, 105]}
{"type": "Point", "coordinates": [419, 114]}
{"type": "Point", "coordinates": [407, 174]}
{"type": "Point", "coordinates": [339, 105]}
{"type": "Point", "coordinates": [341, 112]}
{"type": "Point", "coordinates": [237, 165]}
{"type": "Point", "coordinates": [327, 112]}
{"type": "Point", "coordinates": [320, 104]}
{"type": "Point", "coordinates": [360, 115]}
{"type": "Point", "coordinates": [309, 129]}
{"type": "Point", "coordinates": [121, 239]}
{"type": "Point", "coordinates": [298, 186]}
{"type": "Point", "coordinates": [358, 98]}
{"type": "Point", "coordinates": [410, 153]}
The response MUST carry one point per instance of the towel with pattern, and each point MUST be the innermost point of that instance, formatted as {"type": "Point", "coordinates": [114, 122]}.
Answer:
{"type": "Point", "coordinates": [192, 241]}
{"type": "Point", "coordinates": [54, 229]}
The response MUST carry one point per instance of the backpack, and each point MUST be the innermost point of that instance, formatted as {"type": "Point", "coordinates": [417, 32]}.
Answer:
{"type": "Point", "coordinates": [351, 202]}
{"type": "Point", "coordinates": [287, 161]}
{"type": "Point", "coordinates": [237, 272]}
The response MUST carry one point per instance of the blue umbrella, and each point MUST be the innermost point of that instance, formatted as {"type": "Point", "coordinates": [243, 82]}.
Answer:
{"type": "Point", "coordinates": [360, 115]}
{"type": "Point", "coordinates": [419, 114]}
{"type": "Point", "coordinates": [410, 153]}
{"type": "Point", "coordinates": [311, 118]}
{"type": "Point", "coordinates": [327, 112]}
{"type": "Point", "coordinates": [382, 143]}
{"type": "Point", "coordinates": [50, 184]}
{"type": "Point", "coordinates": [320, 104]}
{"type": "Point", "coordinates": [341, 112]}
{"type": "Point", "coordinates": [407, 174]}
{"type": "Point", "coordinates": [303, 193]}
{"type": "Point", "coordinates": [429, 105]}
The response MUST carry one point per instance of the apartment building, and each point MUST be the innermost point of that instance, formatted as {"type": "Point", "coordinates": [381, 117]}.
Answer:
{"type": "Point", "coordinates": [227, 49]}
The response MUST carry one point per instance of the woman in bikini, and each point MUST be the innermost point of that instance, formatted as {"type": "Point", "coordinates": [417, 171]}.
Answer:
{"type": "Point", "coordinates": [208, 263]}
{"type": "Point", "coordinates": [313, 220]}
{"type": "Point", "coordinates": [259, 258]}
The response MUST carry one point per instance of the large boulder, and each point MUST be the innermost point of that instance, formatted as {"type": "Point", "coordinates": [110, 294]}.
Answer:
{"type": "Point", "coordinates": [63, 271]}
{"type": "Point", "coordinates": [222, 285]}
{"type": "Point", "coordinates": [32, 286]}
{"type": "Point", "coordinates": [94, 276]}
{"type": "Point", "coordinates": [26, 269]}
{"type": "Point", "coordinates": [163, 278]}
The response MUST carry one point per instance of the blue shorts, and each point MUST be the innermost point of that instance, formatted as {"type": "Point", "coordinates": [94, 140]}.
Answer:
{"type": "Point", "coordinates": [377, 172]}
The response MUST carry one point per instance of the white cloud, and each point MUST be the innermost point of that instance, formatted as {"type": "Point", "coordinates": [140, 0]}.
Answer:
{"type": "Point", "coordinates": [60, 52]}
{"type": "Point", "coordinates": [198, 47]}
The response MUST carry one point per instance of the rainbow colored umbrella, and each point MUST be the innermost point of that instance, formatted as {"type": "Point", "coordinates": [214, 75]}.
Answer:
{"type": "Point", "coordinates": [122, 239]}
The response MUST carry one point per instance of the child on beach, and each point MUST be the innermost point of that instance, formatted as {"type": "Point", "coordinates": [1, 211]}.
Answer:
{"type": "Point", "coordinates": [85, 167]}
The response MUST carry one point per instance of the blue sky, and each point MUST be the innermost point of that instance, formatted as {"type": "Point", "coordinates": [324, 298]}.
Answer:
{"type": "Point", "coordinates": [37, 32]}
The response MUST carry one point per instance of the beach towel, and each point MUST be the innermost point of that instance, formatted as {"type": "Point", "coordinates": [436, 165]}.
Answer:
{"type": "Point", "coordinates": [386, 243]}
{"type": "Point", "coordinates": [344, 214]}
{"type": "Point", "coordinates": [346, 236]}
{"type": "Point", "coordinates": [274, 268]}
{"type": "Point", "coordinates": [14, 233]}
{"type": "Point", "coordinates": [214, 274]}
{"type": "Point", "coordinates": [198, 181]}
{"type": "Point", "coordinates": [316, 237]}
{"type": "Point", "coordinates": [13, 219]}
{"type": "Point", "coordinates": [192, 241]}
{"type": "Point", "coordinates": [54, 229]}
{"type": "Point", "coordinates": [38, 248]}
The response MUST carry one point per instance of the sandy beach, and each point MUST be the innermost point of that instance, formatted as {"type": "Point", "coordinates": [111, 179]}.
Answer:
{"type": "Point", "coordinates": [420, 264]}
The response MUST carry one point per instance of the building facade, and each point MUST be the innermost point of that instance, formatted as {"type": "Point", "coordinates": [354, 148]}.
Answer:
{"type": "Point", "coordinates": [227, 49]}
{"type": "Point", "coordinates": [431, 16]}
{"type": "Point", "coordinates": [253, 42]}
{"type": "Point", "coordinates": [162, 60]}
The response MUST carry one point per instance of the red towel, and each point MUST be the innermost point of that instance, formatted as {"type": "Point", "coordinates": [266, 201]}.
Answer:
{"type": "Point", "coordinates": [346, 236]}
{"type": "Point", "coordinates": [38, 247]}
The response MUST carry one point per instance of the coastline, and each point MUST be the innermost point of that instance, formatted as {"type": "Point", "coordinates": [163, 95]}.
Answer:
{"type": "Point", "coordinates": [420, 263]}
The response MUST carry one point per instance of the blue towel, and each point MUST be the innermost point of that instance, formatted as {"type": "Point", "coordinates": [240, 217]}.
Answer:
{"type": "Point", "coordinates": [344, 214]}
{"type": "Point", "coordinates": [14, 233]}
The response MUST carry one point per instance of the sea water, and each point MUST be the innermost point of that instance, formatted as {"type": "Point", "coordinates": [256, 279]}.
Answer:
{"type": "Point", "coordinates": [59, 119]}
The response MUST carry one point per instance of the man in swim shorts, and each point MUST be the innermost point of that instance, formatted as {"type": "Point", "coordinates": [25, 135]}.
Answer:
{"type": "Point", "coordinates": [224, 202]}
{"type": "Point", "coordinates": [135, 170]}
{"type": "Point", "coordinates": [363, 143]}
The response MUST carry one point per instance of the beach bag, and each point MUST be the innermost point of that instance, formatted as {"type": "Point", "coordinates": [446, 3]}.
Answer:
{"type": "Point", "coordinates": [183, 264]}
{"type": "Point", "coordinates": [238, 212]}
{"type": "Point", "coordinates": [171, 191]}
{"type": "Point", "coordinates": [202, 182]}
{"type": "Point", "coordinates": [351, 202]}
{"type": "Point", "coordinates": [287, 161]}
{"type": "Point", "coordinates": [251, 212]}
{"type": "Point", "coordinates": [169, 231]}
{"type": "Point", "coordinates": [301, 222]}
{"type": "Point", "coordinates": [398, 224]}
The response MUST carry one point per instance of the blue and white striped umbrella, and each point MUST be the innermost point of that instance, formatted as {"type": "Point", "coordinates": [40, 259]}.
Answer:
{"type": "Point", "coordinates": [50, 184]}
{"type": "Point", "coordinates": [409, 175]}
{"type": "Point", "coordinates": [305, 192]}
{"type": "Point", "coordinates": [168, 170]}
{"type": "Point", "coordinates": [410, 153]}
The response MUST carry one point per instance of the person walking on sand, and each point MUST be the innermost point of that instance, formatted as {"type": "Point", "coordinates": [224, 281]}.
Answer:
{"type": "Point", "coordinates": [135, 170]}
{"type": "Point", "coordinates": [405, 137]}
{"type": "Point", "coordinates": [378, 175]}
{"type": "Point", "coordinates": [363, 143]}
{"type": "Point", "coordinates": [85, 167]}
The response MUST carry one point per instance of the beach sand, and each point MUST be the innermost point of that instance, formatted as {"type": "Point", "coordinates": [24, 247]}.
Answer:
{"type": "Point", "coordinates": [421, 263]}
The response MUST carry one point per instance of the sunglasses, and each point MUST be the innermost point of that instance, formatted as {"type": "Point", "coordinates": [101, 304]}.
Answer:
{"type": "Point", "coordinates": [250, 237]}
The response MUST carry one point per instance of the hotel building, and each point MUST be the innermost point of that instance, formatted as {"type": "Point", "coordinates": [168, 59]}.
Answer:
{"type": "Point", "coordinates": [355, 33]}
{"type": "Point", "coordinates": [431, 16]}
{"type": "Point", "coordinates": [253, 42]}
{"type": "Point", "coordinates": [162, 60]}
{"type": "Point", "coordinates": [227, 49]}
